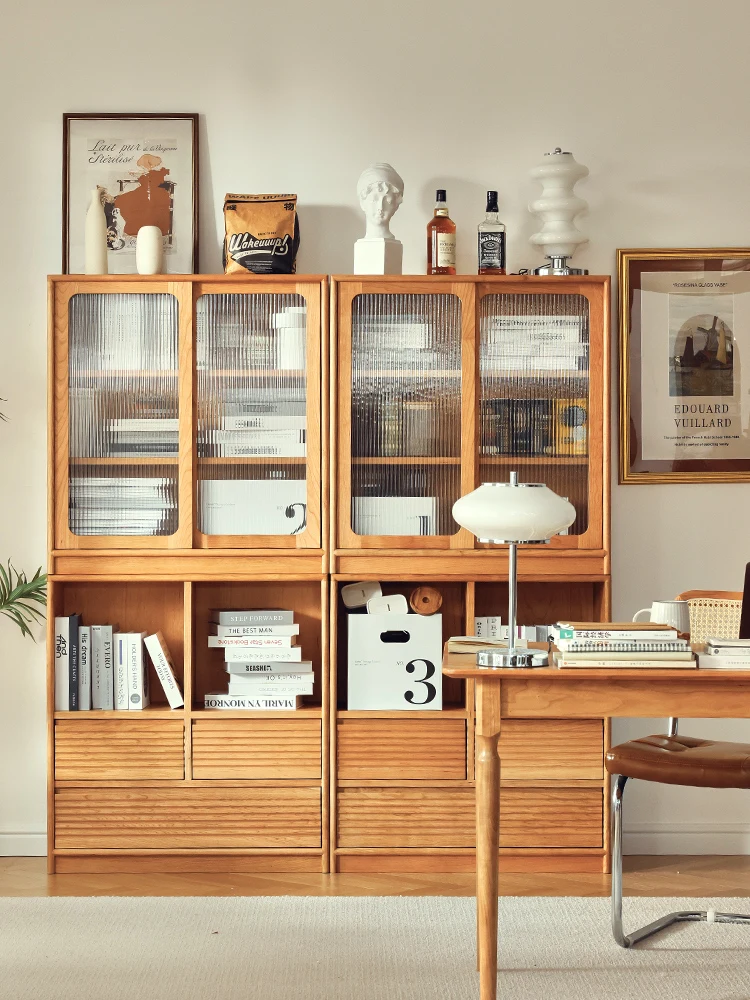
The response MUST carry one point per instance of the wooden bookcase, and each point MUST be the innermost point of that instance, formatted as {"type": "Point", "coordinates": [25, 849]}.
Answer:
{"type": "Point", "coordinates": [322, 788]}
{"type": "Point", "coordinates": [185, 790]}
{"type": "Point", "coordinates": [402, 792]}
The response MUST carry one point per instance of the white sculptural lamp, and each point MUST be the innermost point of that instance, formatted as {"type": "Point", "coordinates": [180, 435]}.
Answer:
{"type": "Point", "coordinates": [512, 514]}
{"type": "Point", "coordinates": [557, 207]}
{"type": "Point", "coordinates": [380, 191]}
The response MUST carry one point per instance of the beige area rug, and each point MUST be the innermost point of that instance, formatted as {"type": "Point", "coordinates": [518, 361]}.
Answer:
{"type": "Point", "coordinates": [356, 948]}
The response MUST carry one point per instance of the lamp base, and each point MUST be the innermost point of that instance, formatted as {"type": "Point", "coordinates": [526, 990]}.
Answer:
{"type": "Point", "coordinates": [558, 266]}
{"type": "Point", "coordinates": [518, 659]}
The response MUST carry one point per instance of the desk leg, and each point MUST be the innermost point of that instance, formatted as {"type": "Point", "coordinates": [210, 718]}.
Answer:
{"type": "Point", "coordinates": [488, 830]}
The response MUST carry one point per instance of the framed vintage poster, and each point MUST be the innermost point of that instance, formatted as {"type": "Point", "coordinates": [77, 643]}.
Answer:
{"type": "Point", "coordinates": [684, 365]}
{"type": "Point", "coordinates": [146, 167]}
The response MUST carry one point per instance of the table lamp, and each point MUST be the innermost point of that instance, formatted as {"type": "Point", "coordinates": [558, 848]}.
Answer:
{"type": "Point", "coordinates": [512, 514]}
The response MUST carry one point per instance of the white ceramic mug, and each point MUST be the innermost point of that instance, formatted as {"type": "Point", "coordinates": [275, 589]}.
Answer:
{"type": "Point", "coordinates": [676, 614]}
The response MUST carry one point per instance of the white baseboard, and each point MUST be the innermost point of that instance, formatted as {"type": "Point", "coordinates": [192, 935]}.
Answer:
{"type": "Point", "coordinates": [687, 838]}
{"type": "Point", "coordinates": [23, 845]}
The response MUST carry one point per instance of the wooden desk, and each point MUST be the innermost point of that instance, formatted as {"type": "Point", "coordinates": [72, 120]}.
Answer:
{"type": "Point", "coordinates": [551, 693]}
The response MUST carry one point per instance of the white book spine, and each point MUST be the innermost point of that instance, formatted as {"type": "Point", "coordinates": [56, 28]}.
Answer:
{"type": "Point", "coordinates": [62, 659]}
{"type": "Point", "coordinates": [252, 617]}
{"type": "Point", "coordinates": [495, 628]}
{"type": "Point", "coordinates": [164, 669]}
{"type": "Point", "coordinates": [96, 666]}
{"type": "Point", "coordinates": [84, 668]}
{"type": "Point", "coordinates": [267, 654]}
{"type": "Point", "coordinates": [480, 628]}
{"type": "Point", "coordinates": [269, 690]}
{"type": "Point", "coordinates": [289, 435]}
{"type": "Point", "coordinates": [281, 668]}
{"type": "Point", "coordinates": [137, 693]}
{"type": "Point", "coordinates": [120, 648]}
{"type": "Point", "coordinates": [710, 661]}
{"type": "Point", "coordinates": [252, 641]}
{"type": "Point", "coordinates": [225, 631]}
{"type": "Point", "coordinates": [107, 671]}
{"type": "Point", "coordinates": [265, 421]}
{"type": "Point", "coordinates": [272, 680]}
{"type": "Point", "coordinates": [230, 701]}
{"type": "Point", "coordinates": [233, 450]}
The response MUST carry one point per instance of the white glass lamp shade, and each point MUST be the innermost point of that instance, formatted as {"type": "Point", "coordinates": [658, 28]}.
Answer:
{"type": "Point", "coordinates": [513, 512]}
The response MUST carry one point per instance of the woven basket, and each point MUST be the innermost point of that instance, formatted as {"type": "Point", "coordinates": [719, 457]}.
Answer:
{"type": "Point", "coordinates": [713, 616]}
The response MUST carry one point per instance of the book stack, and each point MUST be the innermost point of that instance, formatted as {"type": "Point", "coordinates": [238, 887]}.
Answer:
{"type": "Point", "coordinates": [534, 344]}
{"type": "Point", "coordinates": [148, 436]}
{"type": "Point", "coordinates": [725, 654]}
{"type": "Point", "coordinates": [275, 428]}
{"type": "Point", "coordinates": [99, 667]}
{"type": "Point", "coordinates": [620, 644]}
{"type": "Point", "coordinates": [112, 505]}
{"type": "Point", "coordinates": [263, 660]}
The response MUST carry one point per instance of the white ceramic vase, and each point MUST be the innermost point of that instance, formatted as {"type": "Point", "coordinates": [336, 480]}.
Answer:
{"type": "Point", "coordinates": [95, 236]}
{"type": "Point", "coordinates": [149, 250]}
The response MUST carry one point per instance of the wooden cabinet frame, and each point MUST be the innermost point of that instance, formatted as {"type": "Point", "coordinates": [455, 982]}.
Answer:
{"type": "Point", "coordinates": [326, 556]}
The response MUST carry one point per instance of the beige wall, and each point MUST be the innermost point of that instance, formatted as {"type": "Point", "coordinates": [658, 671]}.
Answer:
{"type": "Point", "coordinates": [301, 96]}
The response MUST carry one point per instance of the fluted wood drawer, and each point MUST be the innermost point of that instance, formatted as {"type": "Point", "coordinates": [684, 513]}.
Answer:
{"type": "Point", "coordinates": [202, 816]}
{"type": "Point", "coordinates": [396, 748]}
{"type": "Point", "coordinates": [112, 749]}
{"type": "Point", "coordinates": [552, 748]}
{"type": "Point", "coordinates": [444, 817]}
{"type": "Point", "coordinates": [256, 748]}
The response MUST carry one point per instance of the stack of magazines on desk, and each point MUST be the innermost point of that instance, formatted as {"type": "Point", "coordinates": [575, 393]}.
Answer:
{"type": "Point", "coordinates": [725, 654]}
{"type": "Point", "coordinates": [630, 645]}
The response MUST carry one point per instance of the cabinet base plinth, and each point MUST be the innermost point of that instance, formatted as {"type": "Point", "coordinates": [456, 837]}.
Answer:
{"type": "Point", "coordinates": [450, 864]}
{"type": "Point", "coordinates": [103, 864]}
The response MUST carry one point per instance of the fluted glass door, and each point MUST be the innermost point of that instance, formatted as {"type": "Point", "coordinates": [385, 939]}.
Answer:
{"type": "Point", "coordinates": [405, 414]}
{"type": "Point", "coordinates": [123, 425]}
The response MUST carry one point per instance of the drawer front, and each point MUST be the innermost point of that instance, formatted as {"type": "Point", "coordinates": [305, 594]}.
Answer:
{"type": "Point", "coordinates": [408, 748]}
{"type": "Point", "coordinates": [187, 817]}
{"type": "Point", "coordinates": [552, 748]}
{"type": "Point", "coordinates": [257, 748]}
{"type": "Point", "coordinates": [113, 749]}
{"type": "Point", "coordinates": [444, 817]}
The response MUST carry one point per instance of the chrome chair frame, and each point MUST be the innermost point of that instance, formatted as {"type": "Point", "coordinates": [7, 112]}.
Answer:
{"type": "Point", "coordinates": [680, 916]}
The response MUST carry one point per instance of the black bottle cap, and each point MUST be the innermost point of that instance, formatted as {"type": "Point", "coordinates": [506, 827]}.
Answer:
{"type": "Point", "coordinates": [491, 201]}
{"type": "Point", "coordinates": [440, 195]}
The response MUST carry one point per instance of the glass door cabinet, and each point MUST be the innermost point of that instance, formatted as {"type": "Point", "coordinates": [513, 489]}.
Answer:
{"type": "Point", "coordinates": [447, 383]}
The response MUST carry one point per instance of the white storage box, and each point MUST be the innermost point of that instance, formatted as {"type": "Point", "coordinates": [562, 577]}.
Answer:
{"type": "Point", "coordinates": [395, 662]}
{"type": "Point", "coordinates": [253, 506]}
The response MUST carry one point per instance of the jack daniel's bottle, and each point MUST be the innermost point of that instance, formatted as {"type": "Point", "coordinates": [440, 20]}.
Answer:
{"type": "Point", "coordinates": [491, 246]}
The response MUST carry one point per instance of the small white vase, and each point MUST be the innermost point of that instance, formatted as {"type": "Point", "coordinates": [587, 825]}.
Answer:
{"type": "Point", "coordinates": [149, 250]}
{"type": "Point", "coordinates": [95, 237]}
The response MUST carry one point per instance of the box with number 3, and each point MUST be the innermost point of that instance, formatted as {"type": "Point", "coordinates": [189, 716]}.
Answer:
{"type": "Point", "coordinates": [394, 662]}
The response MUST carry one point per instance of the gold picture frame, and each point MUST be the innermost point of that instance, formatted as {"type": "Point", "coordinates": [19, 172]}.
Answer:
{"type": "Point", "coordinates": [684, 405]}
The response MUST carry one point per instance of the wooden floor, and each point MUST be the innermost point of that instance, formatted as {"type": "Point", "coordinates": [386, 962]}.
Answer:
{"type": "Point", "coordinates": [644, 876]}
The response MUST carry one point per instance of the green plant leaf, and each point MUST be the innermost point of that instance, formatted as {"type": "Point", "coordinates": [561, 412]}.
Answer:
{"type": "Point", "coordinates": [19, 597]}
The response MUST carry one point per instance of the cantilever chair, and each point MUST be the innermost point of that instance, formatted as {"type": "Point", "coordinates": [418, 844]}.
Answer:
{"type": "Point", "coordinates": [679, 760]}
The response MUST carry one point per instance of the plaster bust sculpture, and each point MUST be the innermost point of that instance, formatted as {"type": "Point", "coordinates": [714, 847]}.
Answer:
{"type": "Point", "coordinates": [380, 191]}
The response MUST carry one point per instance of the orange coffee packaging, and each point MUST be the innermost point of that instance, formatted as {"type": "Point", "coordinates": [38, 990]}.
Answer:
{"type": "Point", "coordinates": [261, 233]}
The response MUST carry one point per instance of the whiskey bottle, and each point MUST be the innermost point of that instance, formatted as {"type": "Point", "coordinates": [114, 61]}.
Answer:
{"type": "Point", "coordinates": [491, 247]}
{"type": "Point", "coordinates": [441, 239]}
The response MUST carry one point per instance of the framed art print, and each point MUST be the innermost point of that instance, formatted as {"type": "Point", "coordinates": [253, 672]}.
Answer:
{"type": "Point", "coordinates": [684, 365]}
{"type": "Point", "coordinates": [146, 169]}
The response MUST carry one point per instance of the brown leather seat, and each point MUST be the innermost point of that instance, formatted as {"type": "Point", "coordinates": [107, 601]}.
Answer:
{"type": "Point", "coordinates": [682, 760]}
